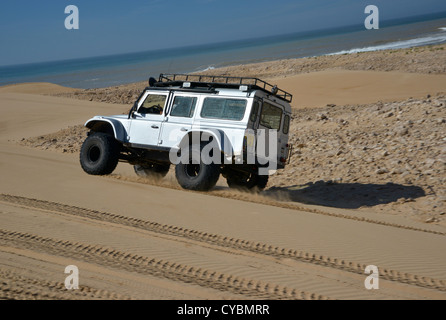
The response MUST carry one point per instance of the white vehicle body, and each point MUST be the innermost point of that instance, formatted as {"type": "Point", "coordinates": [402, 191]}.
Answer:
{"type": "Point", "coordinates": [170, 114]}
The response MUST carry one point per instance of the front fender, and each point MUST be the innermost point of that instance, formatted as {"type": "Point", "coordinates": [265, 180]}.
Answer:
{"type": "Point", "coordinates": [108, 125]}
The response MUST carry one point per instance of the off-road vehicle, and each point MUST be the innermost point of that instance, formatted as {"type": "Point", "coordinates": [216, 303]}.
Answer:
{"type": "Point", "coordinates": [204, 125]}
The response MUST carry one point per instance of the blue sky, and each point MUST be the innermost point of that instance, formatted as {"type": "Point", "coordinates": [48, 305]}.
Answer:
{"type": "Point", "coordinates": [33, 31]}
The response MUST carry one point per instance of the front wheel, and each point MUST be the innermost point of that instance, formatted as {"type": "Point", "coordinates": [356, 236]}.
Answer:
{"type": "Point", "coordinates": [99, 154]}
{"type": "Point", "coordinates": [196, 175]}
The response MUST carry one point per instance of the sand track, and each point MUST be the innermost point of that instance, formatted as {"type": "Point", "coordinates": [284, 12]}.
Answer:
{"type": "Point", "coordinates": [103, 255]}
{"type": "Point", "coordinates": [285, 255]}
{"type": "Point", "coordinates": [155, 267]}
{"type": "Point", "coordinates": [16, 286]}
{"type": "Point", "coordinates": [271, 199]}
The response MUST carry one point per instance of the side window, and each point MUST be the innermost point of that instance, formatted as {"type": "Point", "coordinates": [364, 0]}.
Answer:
{"type": "Point", "coordinates": [183, 107]}
{"type": "Point", "coordinates": [153, 104]}
{"type": "Point", "coordinates": [286, 124]}
{"type": "Point", "coordinates": [225, 109]}
{"type": "Point", "coordinates": [271, 116]}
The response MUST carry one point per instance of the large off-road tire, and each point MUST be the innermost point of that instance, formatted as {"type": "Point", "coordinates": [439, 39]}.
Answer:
{"type": "Point", "coordinates": [200, 176]}
{"type": "Point", "coordinates": [156, 171]}
{"type": "Point", "coordinates": [99, 154]}
{"type": "Point", "coordinates": [247, 182]}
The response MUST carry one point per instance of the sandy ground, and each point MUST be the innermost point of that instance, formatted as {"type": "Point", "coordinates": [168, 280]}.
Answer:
{"type": "Point", "coordinates": [140, 239]}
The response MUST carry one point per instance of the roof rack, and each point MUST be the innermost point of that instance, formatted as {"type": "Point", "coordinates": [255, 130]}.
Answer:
{"type": "Point", "coordinates": [210, 81]}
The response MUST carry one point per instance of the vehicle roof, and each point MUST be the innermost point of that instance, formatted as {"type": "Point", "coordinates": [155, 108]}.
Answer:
{"type": "Point", "coordinates": [206, 83]}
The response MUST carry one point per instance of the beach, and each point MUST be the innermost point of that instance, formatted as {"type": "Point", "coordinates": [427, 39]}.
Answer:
{"type": "Point", "coordinates": [365, 186]}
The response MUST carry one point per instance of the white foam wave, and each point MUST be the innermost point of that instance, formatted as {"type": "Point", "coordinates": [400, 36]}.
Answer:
{"type": "Point", "coordinates": [398, 44]}
{"type": "Point", "coordinates": [206, 69]}
{"type": "Point", "coordinates": [442, 28]}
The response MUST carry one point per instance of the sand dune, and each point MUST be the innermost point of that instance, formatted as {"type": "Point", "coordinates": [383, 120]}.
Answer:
{"type": "Point", "coordinates": [36, 88]}
{"type": "Point", "coordinates": [315, 89]}
{"type": "Point", "coordinates": [358, 87]}
{"type": "Point", "coordinates": [25, 115]}
{"type": "Point", "coordinates": [132, 239]}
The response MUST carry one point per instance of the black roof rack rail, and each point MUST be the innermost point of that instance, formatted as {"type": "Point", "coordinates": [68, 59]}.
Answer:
{"type": "Point", "coordinates": [210, 81]}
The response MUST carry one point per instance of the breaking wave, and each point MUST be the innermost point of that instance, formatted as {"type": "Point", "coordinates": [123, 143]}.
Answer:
{"type": "Point", "coordinates": [430, 40]}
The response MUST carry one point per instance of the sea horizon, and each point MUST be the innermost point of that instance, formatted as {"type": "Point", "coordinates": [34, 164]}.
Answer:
{"type": "Point", "coordinates": [118, 69]}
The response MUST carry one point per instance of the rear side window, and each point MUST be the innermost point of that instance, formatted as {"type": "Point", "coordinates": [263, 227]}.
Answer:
{"type": "Point", "coordinates": [226, 109]}
{"type": "Point", "coordinates": [183, 107]}
{"type": "Point", "coordinates": [286, 124]}
{"type": "Point", "coordinates": [271, 116]}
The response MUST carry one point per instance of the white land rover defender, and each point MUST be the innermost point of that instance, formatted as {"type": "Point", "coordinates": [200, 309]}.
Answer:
{"type": "Point", "coordinates": [204, 125]}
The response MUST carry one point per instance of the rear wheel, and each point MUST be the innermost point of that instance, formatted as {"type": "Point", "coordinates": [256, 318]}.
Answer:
{"type": "Point", "coordinates": [196, 175]}
{"type": "Point", "coordinates": [157, 171]}
{"type": "Point", "coordinates": [99, 154]}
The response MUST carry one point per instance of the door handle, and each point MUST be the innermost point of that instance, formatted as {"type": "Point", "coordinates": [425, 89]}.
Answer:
{"type": "Point", "coordinates": [154, 126]}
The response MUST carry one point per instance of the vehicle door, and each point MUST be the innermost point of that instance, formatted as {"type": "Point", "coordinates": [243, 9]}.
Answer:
{"type": "Point", "coordinates": [179, 119]}
{"type": "Point", "coordinates": [145, 126]}
{"type": "Point", "coordinates": [270, 124]}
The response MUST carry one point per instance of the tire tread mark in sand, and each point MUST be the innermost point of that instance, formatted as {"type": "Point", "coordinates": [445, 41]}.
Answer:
{"type": "Point", "coordinates": [228, 242]}
{"type": "Point", "coordinates": [155, 267]}
{"type": "Point", "coordinates": [270, 202]}
{"type": "Point", "coordinates": [14, 286]}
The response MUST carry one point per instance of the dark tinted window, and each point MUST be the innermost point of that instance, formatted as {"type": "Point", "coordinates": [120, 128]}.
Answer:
{"type": "Point", "coordinates": [183, 107]}
{"type": "Point", "coordinates": [226, 109]}
{"type": "Point", "coordinates": [286, 124]}
{"type": "Point", "coordinates": [271, 116]}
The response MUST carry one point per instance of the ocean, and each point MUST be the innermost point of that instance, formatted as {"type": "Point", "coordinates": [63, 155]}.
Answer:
{"type": "Point", "coordinates": [98, 72]}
